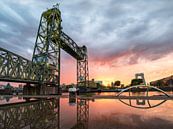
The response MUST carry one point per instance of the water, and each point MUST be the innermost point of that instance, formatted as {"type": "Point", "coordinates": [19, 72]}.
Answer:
{"type": "Point", "coordinates": [58, 113]}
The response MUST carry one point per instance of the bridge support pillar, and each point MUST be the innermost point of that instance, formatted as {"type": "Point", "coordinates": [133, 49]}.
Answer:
{"type": "Point", "coordinates": [82, 71]}
{"type": "Point", "coordinates": [31, 90]}
{"type": "Point", "coordinates": [82, 113]}
{"type": "Point", "coordinates": [49, 90]}
{"type": "Point", "coordinates": [47, 49]}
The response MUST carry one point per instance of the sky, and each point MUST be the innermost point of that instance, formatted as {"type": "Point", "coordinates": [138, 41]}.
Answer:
{"type": "Point", "coordinates": [123, 37]}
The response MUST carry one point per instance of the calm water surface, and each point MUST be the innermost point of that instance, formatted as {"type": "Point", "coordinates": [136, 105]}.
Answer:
{"type": "Point", "coordinates": [65, 113]}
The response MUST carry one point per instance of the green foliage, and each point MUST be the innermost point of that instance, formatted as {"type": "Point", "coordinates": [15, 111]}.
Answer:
{"type": "Point", "coordinates": [117, 83]}
{"type": "Point", "coordinates": [159, 83]}
{"type": "Point", "coordinates": [8, 86]}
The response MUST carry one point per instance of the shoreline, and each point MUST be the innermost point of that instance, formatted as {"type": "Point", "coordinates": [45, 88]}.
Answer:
{"type": "Point", "coordinates": [154, 97]}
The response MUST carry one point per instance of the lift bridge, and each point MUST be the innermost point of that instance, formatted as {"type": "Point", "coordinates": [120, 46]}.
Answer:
{"type": "Point", "coordinates": [29, 114]}
{"type": "Point", "coordinates": [44, 68]}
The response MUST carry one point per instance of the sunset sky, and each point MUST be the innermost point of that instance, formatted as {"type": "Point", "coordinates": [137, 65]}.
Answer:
{"type": "Point", "coordinates": [123, 37]}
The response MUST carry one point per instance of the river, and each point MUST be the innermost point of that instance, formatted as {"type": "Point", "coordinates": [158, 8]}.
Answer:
{"type": "Point", "coordinates": [79, 113]}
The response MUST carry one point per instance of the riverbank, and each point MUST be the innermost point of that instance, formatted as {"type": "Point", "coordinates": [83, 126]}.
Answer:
{"type": "Point", "coordinates": [154, 97]}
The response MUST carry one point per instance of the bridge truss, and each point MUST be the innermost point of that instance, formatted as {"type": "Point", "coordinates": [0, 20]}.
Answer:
{"type": "Point", "coordinates": [82, 114]}
{"type": "Point", "coordinates": [30, 115]}
{"type": "Point", "coordinates": [16, 68]}
{"type": "Point", "coordinates": [45, 65]}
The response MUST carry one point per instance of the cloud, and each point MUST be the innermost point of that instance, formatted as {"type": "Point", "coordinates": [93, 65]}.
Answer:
{"type": "Point", "coordinates": [113, 28]}
{"type": "Point", "coordinates": [116, 33]}
{"type": "Point", "coordinates": [109, 28]}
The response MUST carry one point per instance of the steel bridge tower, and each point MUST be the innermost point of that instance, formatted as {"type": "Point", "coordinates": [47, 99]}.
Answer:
{"type": "Point", "coordinates": [47, 47]}
{"type": "Point", "coordinates": [82, 70]}
{"type": "Point", "coordinates": [44, 69]}
{"type": "Point", "coordinates": [82, 114]}
{"type": "Point", "coordinates": [50, 39]}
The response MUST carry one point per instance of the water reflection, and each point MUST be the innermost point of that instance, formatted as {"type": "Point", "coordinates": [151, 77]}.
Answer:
{"type": "Point", "coordinates": [41, 114]}
{"type": "Point", "coordinates": [142, 100]}
{"type": "Point", "coordinates": [36, 114]}
{"type": "Point", "coordinates": [72, 100]}
{"type": "Point", "coordinates": [142, 103]}
{"type": "Point", "coordinates": [102, 113]}
{"type": "Point", "coordinates": [7, 98]}
{"type": "Point", "coordinates": [82, 114]}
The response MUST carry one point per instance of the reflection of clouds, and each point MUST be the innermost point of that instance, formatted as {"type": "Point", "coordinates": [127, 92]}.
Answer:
{"type": "Point", "coordinates": [162, 111]}
{"type": "Point", "coordinates": [131, 121]}
{"type": "Point", "coordinates": [108, 114]}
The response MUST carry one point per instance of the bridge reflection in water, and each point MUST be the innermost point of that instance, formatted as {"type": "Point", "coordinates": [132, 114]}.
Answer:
{"type": "Point", "coordinates": [45, 113]}
{"type": "Point", "coordinates": [40, 114]}
{"type": "Point", "coordinates": [36, 114]}
{"type": "Point", "coordinates": [82, 114]}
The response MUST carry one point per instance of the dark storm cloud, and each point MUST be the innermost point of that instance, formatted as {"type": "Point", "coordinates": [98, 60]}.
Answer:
{"type": "Point", "coordinates": [19, 22]}
{"type": "Point", "coordinates": [17, 28]}
{"type": "Point", "coordinates": [137, 29]}
{"type": "Point", "coordinates": [111, 29]}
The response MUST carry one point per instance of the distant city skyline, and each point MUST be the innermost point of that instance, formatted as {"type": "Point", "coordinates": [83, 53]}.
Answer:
{"type": "Point", "coordinates": [122, 37]}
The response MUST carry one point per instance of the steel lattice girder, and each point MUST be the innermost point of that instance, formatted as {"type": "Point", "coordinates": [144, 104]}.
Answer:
{"type": "Point", "coordinates": [68, 45]}
{"type": "Point", "coordinates": [45, 65]}
{"type": "Point", "coordinates": [16, 68]}
{"type": "Point", "coordinates": [30, 114]}
{"type": "Point", "coordinates": [47, 47]}
{"type": "Point", "coordinates": [82, 113]}
{"type": "Point", "coordinates": [82, 70]}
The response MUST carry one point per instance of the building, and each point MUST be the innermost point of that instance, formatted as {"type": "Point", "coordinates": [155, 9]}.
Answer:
{"type": "Point", "coordinates": [6, 89]}
{"type": "Point", "coordinates": [167, 81]}
{"type": "Point", "coordinates": [99, 82]}
{"type": "Point", "coordinates": [2, 87]}
{"type": "Point", "coordinates": [95, 84]}
{"type": "Point", "coordinates": [140, 76]}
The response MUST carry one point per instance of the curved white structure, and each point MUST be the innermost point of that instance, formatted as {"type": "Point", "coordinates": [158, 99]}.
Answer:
{"type": "Point", "coordinates": [146, 107]}
{"type": "Point", "coordinates": [143, 86]}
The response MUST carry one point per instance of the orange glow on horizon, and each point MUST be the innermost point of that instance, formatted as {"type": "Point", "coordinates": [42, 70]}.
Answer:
{"type": "Point", "coordinates": [152, 70]}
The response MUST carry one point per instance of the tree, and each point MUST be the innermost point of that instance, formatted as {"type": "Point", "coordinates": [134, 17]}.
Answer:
{"type": "Point", "coordinates": [117, 83]}
{"type": "Point", "coordinates": [159, 83]}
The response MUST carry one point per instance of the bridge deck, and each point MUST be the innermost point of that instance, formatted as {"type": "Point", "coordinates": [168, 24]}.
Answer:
{"type": "Point", "coordinates": [15, 68]}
